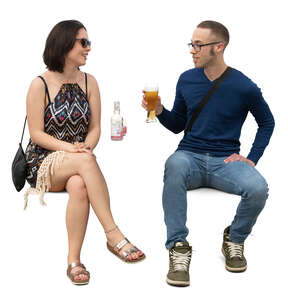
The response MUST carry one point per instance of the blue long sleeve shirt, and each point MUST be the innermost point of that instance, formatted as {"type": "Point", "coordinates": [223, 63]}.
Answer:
{"type": "Point", "coordinates": [218, 127]}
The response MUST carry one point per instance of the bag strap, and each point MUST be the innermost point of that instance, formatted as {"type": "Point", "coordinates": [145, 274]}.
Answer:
{"type": "Point", "coordinates": [46, 88]}
{"type": "Point", "coordinates": [23, 131]}
{"type": "Point", "coordinates": [206, 98]}
{"type": "Point", "coordinates": [46, 92]}
{"type": "Point", "coordinates": [86, 85]}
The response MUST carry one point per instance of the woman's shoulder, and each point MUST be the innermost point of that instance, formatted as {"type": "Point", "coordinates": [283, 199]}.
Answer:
{"type": "Point", "coordinates": [93, 88]}
{"type": "Point", "coordinates": [36, 90]}
{"type": "Point", "coordinates": [91, 80]}
{"type": "Point", "coordinates": [37, 82]}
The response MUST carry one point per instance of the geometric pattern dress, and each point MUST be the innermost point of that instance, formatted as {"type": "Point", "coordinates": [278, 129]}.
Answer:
{"type": "Point", "coordinates": [65, 118]}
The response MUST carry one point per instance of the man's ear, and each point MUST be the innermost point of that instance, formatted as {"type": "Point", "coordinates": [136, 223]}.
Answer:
{"type": "Point", "coordinates": [221, 46]}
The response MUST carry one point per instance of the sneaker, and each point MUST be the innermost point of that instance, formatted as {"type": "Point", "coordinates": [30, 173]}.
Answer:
{"type": "Point", "coordinates": [179, 262]}
{"type": "Point", "coordinates": [233, 253]}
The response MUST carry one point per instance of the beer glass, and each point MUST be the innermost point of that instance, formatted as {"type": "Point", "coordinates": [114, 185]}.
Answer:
{"type": "Point", "coordinates": [151, 97]}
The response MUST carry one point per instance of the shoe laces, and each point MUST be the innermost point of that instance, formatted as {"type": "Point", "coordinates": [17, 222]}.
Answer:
{"type": "Point", "coordinates": [235, 250]}
{"type": "Point", "coordinates": [180, 261]}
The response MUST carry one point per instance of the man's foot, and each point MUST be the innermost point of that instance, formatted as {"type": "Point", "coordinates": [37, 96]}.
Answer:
{"type": "Point", "coordinates": [233, 253]}
{"type": "Point", "coordinates": [179, 262]}
{"type": "Point", "coordinates": [114, 236]}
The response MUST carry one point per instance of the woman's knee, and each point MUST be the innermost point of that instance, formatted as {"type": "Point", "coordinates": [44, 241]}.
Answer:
{"type": "Point", "coordinates": [76, 185]}
{"type": "Point", "coordinates": [81, 161]}
{"type": "Point", "coordinates": [86, 160]}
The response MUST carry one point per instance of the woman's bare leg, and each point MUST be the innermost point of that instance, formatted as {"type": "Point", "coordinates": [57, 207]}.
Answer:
{"type": "Point", "coordinates": [77, 214]}
{"type": "Point", "coordinates": [85, 165]}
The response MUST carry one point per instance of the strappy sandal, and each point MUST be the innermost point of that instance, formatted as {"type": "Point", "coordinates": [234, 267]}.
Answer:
{"type": "Point", "coordinates": [73, 275]}
{"type": "Point", "coordinates": [124, 255]}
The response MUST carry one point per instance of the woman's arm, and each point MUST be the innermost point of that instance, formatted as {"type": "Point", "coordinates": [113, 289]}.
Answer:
{"type": "Point", "coordinates": [94, 130]}
{"type": "Point", "coordinates": [35, 106]}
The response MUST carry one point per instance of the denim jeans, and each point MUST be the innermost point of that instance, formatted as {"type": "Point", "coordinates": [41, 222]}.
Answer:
{"type": "Point", "coordinates": [185, 170]}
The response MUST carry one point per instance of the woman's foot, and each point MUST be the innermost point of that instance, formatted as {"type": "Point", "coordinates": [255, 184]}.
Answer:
{"type": "Point", "coordinates": [77, 273]}
{"type": "Point", "coordinates": [114, 236]}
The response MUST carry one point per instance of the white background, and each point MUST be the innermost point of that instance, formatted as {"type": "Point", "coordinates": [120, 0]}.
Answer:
{"type": "Point", "coordinates": [134, 41]}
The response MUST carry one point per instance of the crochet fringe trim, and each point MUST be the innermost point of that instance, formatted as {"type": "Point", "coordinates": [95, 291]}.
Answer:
{"type": "Point", "coordinates": [43, 183]}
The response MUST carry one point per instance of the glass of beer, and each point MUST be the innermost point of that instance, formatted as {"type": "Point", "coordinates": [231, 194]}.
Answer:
{"type": "Point", "coordinates": [151, 97]}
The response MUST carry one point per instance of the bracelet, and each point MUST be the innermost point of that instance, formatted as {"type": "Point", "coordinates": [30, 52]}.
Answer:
{"type": "Point", "coordinates": [108, 231]}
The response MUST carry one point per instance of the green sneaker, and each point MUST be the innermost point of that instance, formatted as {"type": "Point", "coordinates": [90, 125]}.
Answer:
{"type": "Point", "coordinates": [233, 252]}
{"type": "Point", "coordinates": [179, 262]}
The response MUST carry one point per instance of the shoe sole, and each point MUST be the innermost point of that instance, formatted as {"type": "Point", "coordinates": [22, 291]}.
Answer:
{"type": "Point", "coordinates": [234, 270]}
{"type": "Point", "coordinates": [80, 283]}
{"type": "Point", "coordinates": [133, 261]}
{"type": "Point", "coordinates": [177, 283]}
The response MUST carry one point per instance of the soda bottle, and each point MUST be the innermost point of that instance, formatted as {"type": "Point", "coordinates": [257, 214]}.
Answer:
{"type": "Point", "coordinates": [116, 123]}
{"type": "Point", "coordinates": [124, 127]}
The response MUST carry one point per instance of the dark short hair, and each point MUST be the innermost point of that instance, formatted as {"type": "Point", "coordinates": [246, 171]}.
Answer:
{"type": "Point", "coordinates": [60, 41]}
{"type": "Point", "coordinates": [217, 29]}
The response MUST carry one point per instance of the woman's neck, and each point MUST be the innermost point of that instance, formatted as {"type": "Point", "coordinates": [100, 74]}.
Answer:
{"type": "Point", "coordinates": [70, 74]}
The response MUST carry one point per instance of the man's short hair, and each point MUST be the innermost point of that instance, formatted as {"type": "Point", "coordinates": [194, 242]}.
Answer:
{"type": "Point", "coordinates": [218, 29]}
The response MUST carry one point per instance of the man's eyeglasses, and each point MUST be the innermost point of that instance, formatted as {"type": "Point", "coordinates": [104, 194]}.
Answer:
{"type": "Point", "coordinates": [197, 47]}
{"type": "Point", "coordinates": [84, 42]}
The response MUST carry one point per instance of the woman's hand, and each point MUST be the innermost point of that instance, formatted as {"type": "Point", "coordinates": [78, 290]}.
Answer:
{"type": "Point", "coordinates": [80, 148]}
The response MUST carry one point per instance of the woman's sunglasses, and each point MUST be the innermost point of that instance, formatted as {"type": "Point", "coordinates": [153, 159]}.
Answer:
{"type": "Point", "coordinates": [84, 42]}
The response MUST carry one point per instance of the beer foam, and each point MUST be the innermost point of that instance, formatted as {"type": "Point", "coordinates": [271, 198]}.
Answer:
{"type": "Point", "coordinates": [151, 87]}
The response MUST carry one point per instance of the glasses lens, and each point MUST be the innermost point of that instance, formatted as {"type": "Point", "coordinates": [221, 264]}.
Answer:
{"type": "Point", "coordinates": [85, 43]}
{"type": "Point", "coordinates": [196, 47]}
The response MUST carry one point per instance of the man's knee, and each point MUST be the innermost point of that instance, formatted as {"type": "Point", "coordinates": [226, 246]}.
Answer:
{"type": "Point", "coordinates": [176, 166]}
{"type": "Point", "coordinates": [257, 191]}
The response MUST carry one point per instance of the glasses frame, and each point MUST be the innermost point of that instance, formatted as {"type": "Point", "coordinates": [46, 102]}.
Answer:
{"type": "Point", "coordinates": [84, 42]}
{"type": "Point", "coordinates": [191, 45]}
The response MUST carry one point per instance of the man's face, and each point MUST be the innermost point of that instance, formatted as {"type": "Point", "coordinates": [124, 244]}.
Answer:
{"type": "Point", "coordinates": [207, 55]}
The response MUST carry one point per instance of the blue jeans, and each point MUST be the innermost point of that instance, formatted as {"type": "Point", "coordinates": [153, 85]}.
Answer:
{"type": "Point", "coordinates": [185, 170]}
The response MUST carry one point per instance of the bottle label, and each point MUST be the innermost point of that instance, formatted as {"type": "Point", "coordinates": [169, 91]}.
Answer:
{"type": "Point", "coordinates": [116, 129]}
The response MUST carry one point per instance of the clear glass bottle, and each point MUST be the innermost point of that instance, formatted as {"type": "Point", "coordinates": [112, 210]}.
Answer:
{"type": "Point", "coordinates": [124, 127]}
{"type": "Point", "coordinates": [116, 123]}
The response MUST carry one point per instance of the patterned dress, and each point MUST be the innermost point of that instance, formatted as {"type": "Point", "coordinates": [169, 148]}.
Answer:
{"type": "Point", "coordinates": [67, 119]}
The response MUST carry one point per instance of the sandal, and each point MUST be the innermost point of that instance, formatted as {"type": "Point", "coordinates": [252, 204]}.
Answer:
{"type": "Point", "coordinates": [72, 275]}
{"type": "Point", "coordinates": [125, 254]}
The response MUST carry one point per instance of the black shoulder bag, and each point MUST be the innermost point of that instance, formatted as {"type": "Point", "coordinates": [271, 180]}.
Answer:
{"type": "Point", "coordinates": [206, 98]}
{"type": "Point", "coordinates": [19, 166]}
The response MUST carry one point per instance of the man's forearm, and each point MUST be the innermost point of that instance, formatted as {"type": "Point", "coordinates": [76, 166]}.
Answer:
{"type": "Point", "coordinates": [262, 139]}
{"type": "Point", "coordinates": [171, 120]}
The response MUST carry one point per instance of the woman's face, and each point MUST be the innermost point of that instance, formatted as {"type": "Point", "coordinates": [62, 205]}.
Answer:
{"type": "Point", "coordinates": [78, 54]}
